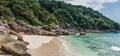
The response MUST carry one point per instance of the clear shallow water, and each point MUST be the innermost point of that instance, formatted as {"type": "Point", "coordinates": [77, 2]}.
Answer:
{"type": "Point", "coordinates": [94, 44]}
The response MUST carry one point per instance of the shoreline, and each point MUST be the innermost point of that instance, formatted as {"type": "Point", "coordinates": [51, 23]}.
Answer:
{"type": "Point", "coordinates": [47, 46]}
{"type": "Point", "coordinates": [67, 49]}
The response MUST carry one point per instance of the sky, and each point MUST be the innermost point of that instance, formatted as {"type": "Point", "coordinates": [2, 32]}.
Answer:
{"type": "Point", "coordinates": [109, 8]}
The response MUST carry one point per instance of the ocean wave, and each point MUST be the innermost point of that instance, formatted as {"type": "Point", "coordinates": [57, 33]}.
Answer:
{"type": "Point", "coordinates": [115, 48]}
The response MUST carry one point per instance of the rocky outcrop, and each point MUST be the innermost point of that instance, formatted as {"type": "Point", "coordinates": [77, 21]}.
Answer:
{"type": "Point", "coordinates": [4, 31]}
{"type": "Point", "coordinates": [18, 47]}
{"type": "Point", "coordinates": [62, 32]}
{"type": "Point", "coordinates": [82, 33]}
{"type": "Point", "coordinates": [47, 28]}
{"type": "Point", "coordinates": [48, 33]}
{"type": "Point", "coordinates": [10, 46]}
{"type": "Point", "coordinates": [65, 32]}
{"type": "Point", "coordinates": [19, 26]}
{"type": "Point", "coordinates": [15, 48]}
{"type": "Point", "coordinates": [34, 30]}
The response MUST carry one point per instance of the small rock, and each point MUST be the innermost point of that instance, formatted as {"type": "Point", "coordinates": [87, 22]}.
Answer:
{"type": "Point", "coordinates": [82, 33]}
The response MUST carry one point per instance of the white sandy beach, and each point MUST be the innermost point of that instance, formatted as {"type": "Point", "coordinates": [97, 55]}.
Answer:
{"type": "Point", "coordinates": [46, 46]}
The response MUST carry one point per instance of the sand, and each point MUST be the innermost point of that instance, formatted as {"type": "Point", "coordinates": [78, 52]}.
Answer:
{"type": "Point", "coordinates": [36, 41]}
{"type": "Point", "coordinates": [46, 46]}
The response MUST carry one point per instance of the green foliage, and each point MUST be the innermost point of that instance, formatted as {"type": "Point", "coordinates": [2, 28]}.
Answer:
{"type": "Point", "coordinates": [78, 17]}
{"type": "Point", "coordinates": [28, 10]}
{"type": "Point", "coordinates": [52, 13]}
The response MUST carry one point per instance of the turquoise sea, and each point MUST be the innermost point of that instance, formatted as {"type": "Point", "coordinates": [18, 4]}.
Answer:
{"type": "Point", "coordinates": [94, 44]}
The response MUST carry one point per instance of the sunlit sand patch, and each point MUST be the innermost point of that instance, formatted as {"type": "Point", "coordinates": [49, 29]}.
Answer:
{"type": "Point", "coordinates": [36, 41]}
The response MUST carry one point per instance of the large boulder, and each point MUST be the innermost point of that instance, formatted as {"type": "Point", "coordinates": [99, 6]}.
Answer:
{"type": "Point", "coordinates": [15, 48]}
{"type": "Point", "coordinates": [16, 27]}
{"type": "Point", "coordinates": [48, 33]}
{"type": "Point", "coordinates": [47, 28]}
{"type": "Point", "coordinates": [63, 32]}
{"type": "Point", "coordinates": [82, 33]}
{"type": "Point", "coordinates": [20, 22]}
{"type": "Point", "coordinates": [20, 26]}
{"type": "Point", "coordinates": [12, 46]}
{"type": "Point", "coordinates": [4, 31]}
{"type": "Point", "coordinates": [5, 40]}
{"type": "Point", "coordinates": [34, 30]}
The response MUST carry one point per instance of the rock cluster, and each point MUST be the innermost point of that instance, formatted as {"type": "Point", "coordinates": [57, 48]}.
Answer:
{"type": "Point", "coordinates": [20, 26]}
{"type": "Point", "coordinates": [18, 47]}
{"type": "Point", "coordinates": [10, 46]}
